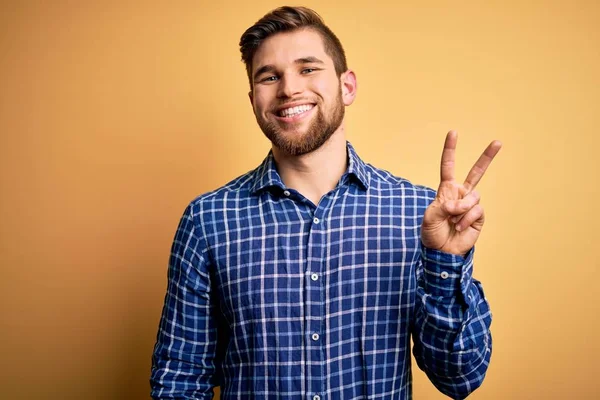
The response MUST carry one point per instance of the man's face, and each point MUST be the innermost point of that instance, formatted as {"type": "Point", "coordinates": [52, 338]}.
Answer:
{"type": "Point", "coordinates": [296, 95]}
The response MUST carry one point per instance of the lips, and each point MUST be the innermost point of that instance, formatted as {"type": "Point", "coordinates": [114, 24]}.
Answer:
{"type": "Point", "coordinates": [293, 112]}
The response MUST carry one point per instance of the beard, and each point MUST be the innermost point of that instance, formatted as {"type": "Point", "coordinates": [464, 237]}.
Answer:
{"type": "Point", "coordinates": [295, 143]}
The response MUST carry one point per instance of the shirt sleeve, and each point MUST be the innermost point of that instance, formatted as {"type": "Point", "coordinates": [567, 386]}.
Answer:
{"type": "Point", "coordinates": [184, 357]}
{"type": "Point", "coordinates": [452, 339]}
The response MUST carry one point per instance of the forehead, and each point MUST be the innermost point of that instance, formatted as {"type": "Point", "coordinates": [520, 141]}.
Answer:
{"type": "Point", "coordinates": [286, 47]}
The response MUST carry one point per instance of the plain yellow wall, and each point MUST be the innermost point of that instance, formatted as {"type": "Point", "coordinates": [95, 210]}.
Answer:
{"type": "Point", "coordinates": [113, 116]}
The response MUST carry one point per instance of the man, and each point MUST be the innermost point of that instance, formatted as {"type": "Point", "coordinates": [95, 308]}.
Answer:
{"type": "Point", "coordinates": [305, 278]}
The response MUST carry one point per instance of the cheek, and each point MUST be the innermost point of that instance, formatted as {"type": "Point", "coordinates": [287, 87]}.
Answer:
{"type": "Point", "coordinates": [328, 89]}
{"type": "Point", "coordinates": [261, 100]}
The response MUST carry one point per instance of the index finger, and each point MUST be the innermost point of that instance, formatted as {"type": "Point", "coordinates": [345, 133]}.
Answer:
{"type": "Point", "coordinates": [447, 164]}
{"type": "Point", "coordinates": [484, 161]}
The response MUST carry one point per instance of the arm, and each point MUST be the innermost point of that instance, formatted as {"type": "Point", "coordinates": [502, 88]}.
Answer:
{"type": "Point", "coordinates": [452, 341]}
{"type": "Point", "coordinates": [452, 317]}
{"type": "Point", "coordinates": [183, 362]}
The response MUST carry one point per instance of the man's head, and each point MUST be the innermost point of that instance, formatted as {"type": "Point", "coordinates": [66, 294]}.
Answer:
{"type": "Point", "coordinates": [299, 80]}
{"type": "Point", "coordinates": [288, 19]}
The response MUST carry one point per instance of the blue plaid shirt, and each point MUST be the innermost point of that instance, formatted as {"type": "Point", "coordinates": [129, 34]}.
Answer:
{"type": "Point", "coordinates": [272, 297]}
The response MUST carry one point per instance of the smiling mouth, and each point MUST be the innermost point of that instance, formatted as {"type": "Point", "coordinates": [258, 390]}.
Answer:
{"type": "Point", "coordinates": [294, 111]}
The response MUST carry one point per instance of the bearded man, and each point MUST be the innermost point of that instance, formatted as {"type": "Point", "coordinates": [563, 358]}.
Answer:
{"type": "Point", "coordinates": [306, 277]}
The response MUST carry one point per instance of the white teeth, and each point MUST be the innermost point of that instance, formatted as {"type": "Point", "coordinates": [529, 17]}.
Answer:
{"type": "Point", "coordinates": [290, 112]}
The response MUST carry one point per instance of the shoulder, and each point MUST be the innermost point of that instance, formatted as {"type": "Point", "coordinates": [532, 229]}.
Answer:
{"type": "Point", "coordinates": [384, 181]}
{"type": "Point", "coordinates": [238, 189]}
{"type": "Point", "coordinates": [208, 213]}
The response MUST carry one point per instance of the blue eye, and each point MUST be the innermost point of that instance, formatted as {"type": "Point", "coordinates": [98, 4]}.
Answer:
{"type": "Point", "coordinates": [270, 79]}
{"type": "Point", "coordinates": [307, 70]}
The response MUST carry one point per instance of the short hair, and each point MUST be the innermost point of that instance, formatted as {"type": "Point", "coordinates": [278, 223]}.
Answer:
{"type": "Point", "coordinates": [289, 19]}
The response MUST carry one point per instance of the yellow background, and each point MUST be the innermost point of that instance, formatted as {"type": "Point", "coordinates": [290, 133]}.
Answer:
{"type": "Point", "coordinates": [113, 116]}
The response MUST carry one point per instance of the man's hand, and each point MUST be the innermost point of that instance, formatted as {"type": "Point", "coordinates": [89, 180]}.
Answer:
{"type": "Point", "coordinates": [454, 219]}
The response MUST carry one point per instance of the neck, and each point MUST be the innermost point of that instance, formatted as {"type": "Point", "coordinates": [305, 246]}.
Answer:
{"type": "Point", "coordinates": [315, 174]}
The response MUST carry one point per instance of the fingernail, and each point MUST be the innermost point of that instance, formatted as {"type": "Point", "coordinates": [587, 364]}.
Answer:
{"type": "Point", "coordinates": [458, 228]}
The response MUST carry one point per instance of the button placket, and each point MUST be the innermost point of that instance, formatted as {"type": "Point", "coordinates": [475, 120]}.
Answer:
{"type": "Point", "coordinates": [315, 311]}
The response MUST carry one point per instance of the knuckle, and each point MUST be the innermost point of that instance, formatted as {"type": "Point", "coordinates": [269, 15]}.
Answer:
{"type": "Point", "coordinates": [478, 210]}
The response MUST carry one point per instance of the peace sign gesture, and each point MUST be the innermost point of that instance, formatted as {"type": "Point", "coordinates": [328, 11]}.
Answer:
{"type": "Point", "coordinates": [454, 219]}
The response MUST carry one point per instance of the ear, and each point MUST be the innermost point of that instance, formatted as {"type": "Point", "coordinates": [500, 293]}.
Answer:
{"type": "Point", "coordinates": [349, 87]}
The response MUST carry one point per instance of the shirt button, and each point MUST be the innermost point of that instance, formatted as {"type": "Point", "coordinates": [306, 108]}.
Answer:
{"type": "Point", "coordinates": [444, 275]}
{"type": "Point", "coordinates": [286, 193]}
{"type": "Point", "coordinates": [316, 397]}
{"type": "Point", "coordinates": [315, 336]}
{"type": "Point", "coordinates": [316, 220]}
{"type": "Point", "coordinates": [314, 277]}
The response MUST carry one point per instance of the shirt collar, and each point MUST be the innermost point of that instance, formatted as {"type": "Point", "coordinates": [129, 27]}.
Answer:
{"type": "Point", "coordinates": [266, 175]}
{"type": "Point", "coordinates": [357, 167]}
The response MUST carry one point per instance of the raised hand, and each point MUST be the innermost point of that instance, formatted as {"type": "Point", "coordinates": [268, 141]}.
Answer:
{"type": "Point", "coordinates": [453, 221]}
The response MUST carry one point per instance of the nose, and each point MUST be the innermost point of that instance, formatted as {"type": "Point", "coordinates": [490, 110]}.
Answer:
{"type": "Point", "coordinates": [289, 86]}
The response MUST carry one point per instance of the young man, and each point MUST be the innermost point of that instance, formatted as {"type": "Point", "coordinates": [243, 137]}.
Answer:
{"type": "Point", "coordinates": [305, 278]}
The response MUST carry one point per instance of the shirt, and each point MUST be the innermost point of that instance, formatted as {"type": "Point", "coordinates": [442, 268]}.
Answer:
{"type": "Point", "coordinates": [273, 297]}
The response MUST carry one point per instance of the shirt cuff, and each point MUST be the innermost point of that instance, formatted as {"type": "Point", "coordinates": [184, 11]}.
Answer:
{"type": "Point", "coordinates": [443, 272]}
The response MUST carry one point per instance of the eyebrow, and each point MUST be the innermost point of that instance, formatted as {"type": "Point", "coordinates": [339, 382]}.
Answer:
{"type": "Point", "coordinates": [304, 60]}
